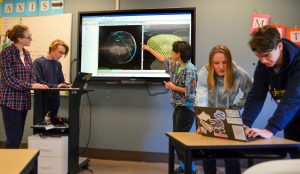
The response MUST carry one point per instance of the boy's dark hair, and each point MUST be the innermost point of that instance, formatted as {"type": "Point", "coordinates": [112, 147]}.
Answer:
{"type": "Point", "coordinates": [264, 39]}
{"type": "Point", "coordinates": [184, 49]}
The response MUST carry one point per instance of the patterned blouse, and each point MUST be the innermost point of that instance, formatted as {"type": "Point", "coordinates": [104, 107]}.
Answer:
{"type": "Point", "coordinates": [185, 77]}
{"type": "Point", "coordinates": [16, 79]}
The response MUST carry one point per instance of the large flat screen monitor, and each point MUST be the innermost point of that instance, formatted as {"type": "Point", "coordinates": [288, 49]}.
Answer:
{"type": "Point", "coordinates": [109, 44]}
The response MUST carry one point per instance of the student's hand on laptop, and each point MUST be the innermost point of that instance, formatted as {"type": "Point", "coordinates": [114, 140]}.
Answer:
{"type": "Point", "coordinates": [198, 130]}
{"type": "Point", "coordinates": [247, 129]}
{"type": "Point", "coordinates": [64, 85]}
{"type": "Point", "coordinates": [254, 132]}
{"type": "Point", "coordinates": [39, 86]}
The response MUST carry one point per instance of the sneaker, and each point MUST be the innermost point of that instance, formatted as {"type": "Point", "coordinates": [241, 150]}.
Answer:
{"type": "Point", "coordinates": [179, 170]}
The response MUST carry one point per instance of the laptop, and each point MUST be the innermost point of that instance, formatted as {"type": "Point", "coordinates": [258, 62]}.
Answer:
{"type": "Point", "coordinates": [221, 123]}
{"type": "Point", "coordinates": [81, 80]}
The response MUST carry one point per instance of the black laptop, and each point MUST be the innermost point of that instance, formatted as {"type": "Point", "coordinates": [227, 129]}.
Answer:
{"type": "Point", "coordinates": [81, 80]}
{"type": "Point", "coordinates": [221, 122]}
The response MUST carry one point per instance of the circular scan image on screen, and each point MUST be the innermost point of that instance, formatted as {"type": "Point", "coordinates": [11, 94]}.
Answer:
{"type": "Point", "coordinates": [162, 44]}
{"type": "Point", "coordinates": [121, 47]}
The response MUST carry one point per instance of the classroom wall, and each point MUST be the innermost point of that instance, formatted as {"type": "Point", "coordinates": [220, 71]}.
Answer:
{"type": "Point", "coordinates": [126, 117]}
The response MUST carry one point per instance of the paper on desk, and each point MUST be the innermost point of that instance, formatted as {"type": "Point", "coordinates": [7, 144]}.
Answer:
{"type": "Point", "coordinates": [50, 126]}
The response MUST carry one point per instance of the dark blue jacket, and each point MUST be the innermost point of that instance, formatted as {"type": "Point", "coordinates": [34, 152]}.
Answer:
{"type": "Point", "coordinates": [284, 88]}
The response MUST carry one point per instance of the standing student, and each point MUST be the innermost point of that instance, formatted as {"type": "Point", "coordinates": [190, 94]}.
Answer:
{"type": "Point", "coordinates": [218, 85]}
{"type": "Point", "coordinates": [277, 72]}
{"type": "Point", "coordinates": [48, 71]}
{"type": "Point", "coordinates": [15, 83]}
{"type": "Point", "coordinates": [183, 88]}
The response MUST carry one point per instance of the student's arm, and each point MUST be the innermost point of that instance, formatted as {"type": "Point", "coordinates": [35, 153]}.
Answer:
{"type": "Point", "coordinates": [171, 86]}
{"type": "Point", "coordinates": [8, 74]}
{"type": "Point", "coordinates": [289, 105]}
{"type": "Point", "coordinates": [38, 74]}
{"type": "Point", "coordinates": [61, 78]}
{"type": "Point", "coordinates": [287, 108]}
{"type": "Point", "coordinates": [245, 86]}
{"type": "Point", "coordinates": [157, 55]}
{"type": "Point", "coordinates": [256, 97]}
{"type": "Point", "coordinates": [201, 98]}
{"type": "Point", "coordinates": [254, 132]}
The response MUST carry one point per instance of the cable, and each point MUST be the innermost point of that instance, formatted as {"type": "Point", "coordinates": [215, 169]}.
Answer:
{"type": "Point", "coordinates": [90, 126]}
{"type": "Point", "coordinates": [157, 93]}
{"type": "Point", "coordinates": [73, 61]}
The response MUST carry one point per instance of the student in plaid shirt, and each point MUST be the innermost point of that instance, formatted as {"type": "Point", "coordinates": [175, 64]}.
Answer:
{"type": "Point", "coordinates": [15, 83]}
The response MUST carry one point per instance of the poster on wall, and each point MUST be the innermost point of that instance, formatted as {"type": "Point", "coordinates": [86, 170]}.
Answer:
{"type": "Point", "coordinates": [57, 6]}
{"type": "Point", "coordinates": [7, 8]}
{"type": "Point", "coordinates": [11, 8]}
{"type": "Point", "coordinates": [31, 8]}
{"type": "Point", "coordinates": [19, 8]}
{"type": "Point", "coordinates": [0, 8]}
{"type": "Point", "coordinates": [294, 35]}
{"type": "Point", "coordinates": [281, 29]}
{"type": "Point", "coordinates": [259, 20]}
{"type": "Point", "coordinates": [47, 7]}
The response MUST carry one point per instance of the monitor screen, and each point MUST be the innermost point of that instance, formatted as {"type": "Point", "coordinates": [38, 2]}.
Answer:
{"type": "Point", "coordinates": [110, 42]}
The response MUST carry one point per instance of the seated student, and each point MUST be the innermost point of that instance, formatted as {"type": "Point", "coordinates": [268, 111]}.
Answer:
{"type": "Point", "coordinates": [218, 85]}
{"type": "Point", "coordinates": [48, 71]}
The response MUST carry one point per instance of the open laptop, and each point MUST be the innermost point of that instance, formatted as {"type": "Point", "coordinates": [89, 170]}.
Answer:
{"type": "Point", "coordinates": [221, 123]}
{"type": "Point", "coordinates": [81, 80]}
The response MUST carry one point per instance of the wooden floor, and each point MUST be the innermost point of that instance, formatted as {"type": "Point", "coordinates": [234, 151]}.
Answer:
{"type": "Point", "coordinates": [98, 166]}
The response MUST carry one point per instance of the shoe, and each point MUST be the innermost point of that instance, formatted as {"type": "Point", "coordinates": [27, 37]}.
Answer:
{"type": "Point", "coordinates": [179, 170]}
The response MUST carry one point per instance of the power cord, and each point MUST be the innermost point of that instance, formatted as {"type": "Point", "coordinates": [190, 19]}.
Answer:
{"type": "Point", "coordinates": [90, 124]}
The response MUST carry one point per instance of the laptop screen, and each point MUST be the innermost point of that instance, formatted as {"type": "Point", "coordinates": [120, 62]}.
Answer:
{"type": "Point", "coordinates": [81, 80]}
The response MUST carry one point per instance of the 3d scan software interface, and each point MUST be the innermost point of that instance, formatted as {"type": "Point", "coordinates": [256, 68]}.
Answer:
{"type": "Point", "coordinates": [111, 44]}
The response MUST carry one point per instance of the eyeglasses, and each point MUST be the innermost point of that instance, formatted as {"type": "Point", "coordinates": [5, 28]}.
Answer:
{"type": "Point", "coordinates": [61, 52]}
{"type": "Point", "coordinates": [27, 37]}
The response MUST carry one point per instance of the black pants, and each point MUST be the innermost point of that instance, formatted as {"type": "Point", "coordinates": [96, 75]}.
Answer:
{"type": "Point", "coordinates": [232, 166]}
{"type": "Point", "coordinates": [52, 103]}
{"type": "Point", "coordinates": [183, 119]}
{"type": "Point", "coordinates": [292, 131]}
{"type": "Point", "coordinates": [14, 122]}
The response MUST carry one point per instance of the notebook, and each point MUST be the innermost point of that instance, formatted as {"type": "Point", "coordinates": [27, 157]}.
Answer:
{"type": "Point", "coordinates": [221, 123]}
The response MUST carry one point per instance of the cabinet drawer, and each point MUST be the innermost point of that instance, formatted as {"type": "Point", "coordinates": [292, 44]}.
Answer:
{"type": "Point", "coordinates": [52, 165]}
{"type": "Point", "coordinates": [49, 146]}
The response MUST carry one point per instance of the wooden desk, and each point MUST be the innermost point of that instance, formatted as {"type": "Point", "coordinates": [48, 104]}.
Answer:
{"type": "Point", "coordinates": [195, 146]}
{"type": "Point", "coordinates": [18, 161]}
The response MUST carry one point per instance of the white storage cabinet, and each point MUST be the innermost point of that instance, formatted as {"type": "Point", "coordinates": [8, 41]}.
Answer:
{"type": "Point", "coordinates": [53, 158]}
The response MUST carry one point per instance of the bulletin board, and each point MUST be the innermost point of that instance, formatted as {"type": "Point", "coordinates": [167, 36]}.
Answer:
{"type": "Point", "coordinates": [44, 30]}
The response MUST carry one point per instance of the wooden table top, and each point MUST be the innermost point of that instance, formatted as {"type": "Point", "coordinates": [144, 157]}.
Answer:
{"type": "Point", "coordinates": [193, 139]}
{"type": "Point", "coordinates": [14, 161]}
